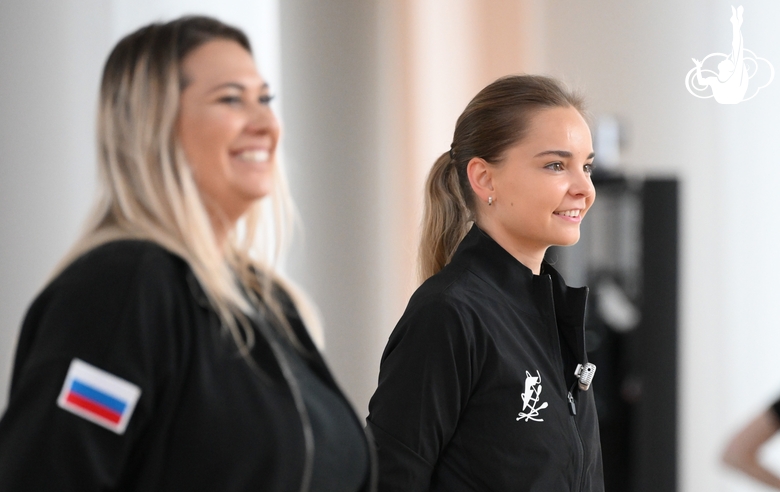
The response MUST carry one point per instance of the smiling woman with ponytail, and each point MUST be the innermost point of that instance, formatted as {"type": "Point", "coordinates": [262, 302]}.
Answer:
{"type": "Point", "coordinates": [460, 404]}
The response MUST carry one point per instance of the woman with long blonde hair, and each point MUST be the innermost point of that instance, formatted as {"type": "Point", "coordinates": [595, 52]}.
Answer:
{"type": "Point", "coordinates": [485, 383]}
{"type": "Point", "coordinates": [166, 353]}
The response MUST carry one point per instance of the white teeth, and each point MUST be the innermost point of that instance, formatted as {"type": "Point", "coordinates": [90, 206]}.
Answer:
{"type": "Point", "coordinates": [569, 213]}
{"type": "Point", "coordinates": [254, 155]}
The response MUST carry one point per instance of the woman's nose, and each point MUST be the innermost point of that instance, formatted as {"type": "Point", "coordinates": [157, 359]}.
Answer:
{"type": "Point", "coordinates": [262, 120]}
{"type": "Point", "coordinates": [582, 184]}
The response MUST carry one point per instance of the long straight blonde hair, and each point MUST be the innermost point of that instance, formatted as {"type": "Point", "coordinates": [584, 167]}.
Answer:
{"type": "Point", "coordinates": [147, 191]}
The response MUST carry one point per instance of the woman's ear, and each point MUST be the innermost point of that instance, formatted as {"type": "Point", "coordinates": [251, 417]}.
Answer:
{"type": "Point", "coordinates": [480, 175]}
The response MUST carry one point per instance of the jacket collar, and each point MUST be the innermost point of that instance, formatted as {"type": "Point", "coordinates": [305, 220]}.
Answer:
{"type": "Point", "coordinates": [484, 257]}
{"type": "Point", "coordinates": [489, 261]}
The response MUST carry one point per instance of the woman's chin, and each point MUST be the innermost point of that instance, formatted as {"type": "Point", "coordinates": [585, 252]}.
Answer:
{"type": "Point", "coordinates": [255, 190]}
{"type": "Point", "coordinates": [568, 240]}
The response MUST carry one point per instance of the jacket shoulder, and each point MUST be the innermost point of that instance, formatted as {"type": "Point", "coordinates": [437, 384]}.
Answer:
{"type": "Point", "coordinates": [122, 308]}
{"type": "Point", "coordinates": [454, 288]}
{"type": "Point", "coordinates": [141, 261]}
{"type": "Point", "coordinates": [442, 308]}
{"type": "Point", "coordinates": [115, 270]}
{"type": "Point", "coordinates": [122, 287]}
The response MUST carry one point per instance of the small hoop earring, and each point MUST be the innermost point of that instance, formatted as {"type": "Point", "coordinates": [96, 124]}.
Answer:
{"type": "Point", "coordinates": [490, 201]}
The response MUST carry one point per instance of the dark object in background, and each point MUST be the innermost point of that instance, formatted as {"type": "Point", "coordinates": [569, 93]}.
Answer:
{"type": "Point", "coordinates": [628, 256]}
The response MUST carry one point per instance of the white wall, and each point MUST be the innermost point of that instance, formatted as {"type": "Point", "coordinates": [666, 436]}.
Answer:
{"type": "Point", "coordinates": [50, 60]}
{"type": "Point", "coordinates": [331, 123]}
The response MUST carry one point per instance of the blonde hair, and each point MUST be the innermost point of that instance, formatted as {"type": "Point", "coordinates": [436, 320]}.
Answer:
{"type": "Point", "coordinates": [493, 121]}
{"type": "Point", "coordinates": [147, 190]}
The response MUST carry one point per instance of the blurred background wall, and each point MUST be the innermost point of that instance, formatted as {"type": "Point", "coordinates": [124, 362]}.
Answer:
{"type": "Point", "coordinates": [368, 95]}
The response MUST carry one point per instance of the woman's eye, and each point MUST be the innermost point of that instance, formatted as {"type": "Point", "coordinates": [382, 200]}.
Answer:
{"type": "Point", "coordinates": [230, 100]}
{"type": "Point", "coordinates": [555, 166]}
{"type": "Point", "coordinates": [266, 99]}
{"type": "Point", "coordinates": [588, 168]}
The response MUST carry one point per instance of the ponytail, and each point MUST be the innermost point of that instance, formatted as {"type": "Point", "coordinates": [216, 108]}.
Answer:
{"type": "Point", "coordinates": [496, 119]}
{"type": "Point", "coordinates": [446, 216]}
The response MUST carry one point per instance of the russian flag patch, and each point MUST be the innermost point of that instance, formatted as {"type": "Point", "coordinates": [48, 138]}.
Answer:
{"type": "Point", "coordinates": [98, 396]}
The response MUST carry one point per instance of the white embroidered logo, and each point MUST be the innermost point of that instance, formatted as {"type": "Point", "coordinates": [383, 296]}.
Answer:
{"type": "Point", "coordinates": [531, 406]}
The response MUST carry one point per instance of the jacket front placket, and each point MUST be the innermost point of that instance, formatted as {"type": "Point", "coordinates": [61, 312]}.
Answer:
{"type": "Point", "coordinates": [554, 313]}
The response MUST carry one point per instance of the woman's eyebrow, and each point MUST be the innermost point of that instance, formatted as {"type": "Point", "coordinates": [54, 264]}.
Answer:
{"type": "Point", "coordinates": [562, 153]}
{"type": "Point", "coordinates": [235, 85]}
{"type": "Point", "coordinates": [559, 153]}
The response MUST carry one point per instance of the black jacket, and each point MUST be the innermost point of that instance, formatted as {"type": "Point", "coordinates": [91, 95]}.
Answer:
{"type": "Point", "coordinates": [460, 405]}
{"type": "Point", "coordinates": [205, 420]}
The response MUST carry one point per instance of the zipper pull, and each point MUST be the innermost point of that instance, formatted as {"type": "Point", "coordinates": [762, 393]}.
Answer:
{"type": "Point", "coordinates": [572, 405]}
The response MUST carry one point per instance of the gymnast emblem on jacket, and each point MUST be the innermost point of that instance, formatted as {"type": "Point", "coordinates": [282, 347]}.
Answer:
{"type": "Point", "coordinates": [531, 405]}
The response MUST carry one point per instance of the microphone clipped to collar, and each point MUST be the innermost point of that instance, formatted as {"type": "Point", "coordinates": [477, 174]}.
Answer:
{"type": "Point", "coordinates": [585, 375]}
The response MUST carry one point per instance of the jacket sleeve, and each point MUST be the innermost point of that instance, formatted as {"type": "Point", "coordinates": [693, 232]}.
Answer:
{"type": "Point", "coordinates": [425, 380]}
{"type": "Point", "coordinates": [113, 315]}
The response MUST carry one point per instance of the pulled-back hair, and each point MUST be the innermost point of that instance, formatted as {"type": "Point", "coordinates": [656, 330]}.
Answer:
{"type": "Point", "coordinates": [497, 118]}
{"type": "Point", "coordinates": [146, 187]}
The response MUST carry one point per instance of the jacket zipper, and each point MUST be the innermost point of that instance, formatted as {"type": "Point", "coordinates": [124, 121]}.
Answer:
{"type": "Point", "coordinates": [572, 405]}
{"type": "Point", "coordinates": [573, 409]}
{"type": "Point", "coordinates": [569, 395]}
{"type": "Point", "coordinates": [295, 390]}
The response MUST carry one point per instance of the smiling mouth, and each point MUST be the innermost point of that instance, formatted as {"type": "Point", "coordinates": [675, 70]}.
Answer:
{"type": "Point", "coordinates": [568, 213]}
{"type": "Point", "coordinates": [254, 156]}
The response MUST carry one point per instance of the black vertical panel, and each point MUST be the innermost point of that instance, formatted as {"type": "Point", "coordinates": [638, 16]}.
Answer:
{"type": "Point", "coordinates": [630, 240]}
{"type": "Point", "coordinates": [655, 422]}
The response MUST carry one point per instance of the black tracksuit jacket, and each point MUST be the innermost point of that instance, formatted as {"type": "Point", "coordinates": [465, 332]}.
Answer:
{"type": "Point", "coordinates": [477, 389]}
{"type": "Point", "coordinates": [205, 421]}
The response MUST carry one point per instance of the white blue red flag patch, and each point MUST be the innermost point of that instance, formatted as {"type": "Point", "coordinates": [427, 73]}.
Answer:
{"type": "Point", "coordinates": [98, 396]}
